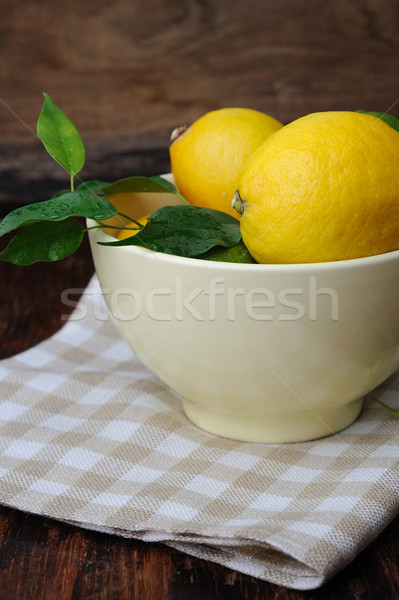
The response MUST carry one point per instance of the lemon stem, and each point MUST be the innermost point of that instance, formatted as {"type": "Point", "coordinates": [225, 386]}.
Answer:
{"type": "Point", "coordinates": [176, 133]}
{"type": "Point", "coordinates": [238, 203]}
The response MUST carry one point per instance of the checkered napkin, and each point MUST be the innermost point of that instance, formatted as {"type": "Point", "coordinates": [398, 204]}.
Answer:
{"type": "Point", "coordinates": [90, 437]}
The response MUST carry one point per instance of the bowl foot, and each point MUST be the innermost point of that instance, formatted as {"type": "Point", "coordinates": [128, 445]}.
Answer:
{"type": "Point", "coordinates": [272, 428]}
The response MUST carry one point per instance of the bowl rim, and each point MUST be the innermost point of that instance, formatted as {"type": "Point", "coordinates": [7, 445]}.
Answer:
{"type": "Point", "coordinates": [99, 235]}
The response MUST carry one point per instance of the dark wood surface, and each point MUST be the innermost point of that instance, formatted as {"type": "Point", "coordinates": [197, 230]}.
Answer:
{"type": "Point", "coordinates": [45, 559]}
{"type": "Point", "coordinates": [135, 67]}
{"type": "Point", "coordinates": [127, 72]}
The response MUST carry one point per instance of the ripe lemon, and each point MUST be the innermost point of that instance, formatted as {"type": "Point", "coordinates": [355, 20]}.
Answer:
{"type": "Point", "coordinates": [125, 233]}
{"type": "Point", "coordinates": [323, 188]}
{"type": "Point", "coordinates": [207, 158]}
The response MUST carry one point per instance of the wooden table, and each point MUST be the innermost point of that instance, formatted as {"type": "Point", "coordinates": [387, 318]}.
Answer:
{"type": "Point", "coordinates": [45, 559]}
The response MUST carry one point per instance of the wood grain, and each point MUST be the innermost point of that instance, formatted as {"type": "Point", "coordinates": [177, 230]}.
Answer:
{"type": "Point", "coordinates": [144, 66]}
{"type": "Point", "coordinates": [129, 71]}
{"type": "Point", "coordinates": [43, 559]}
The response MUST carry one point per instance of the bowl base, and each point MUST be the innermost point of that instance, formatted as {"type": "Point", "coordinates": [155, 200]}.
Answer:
{"type": "Point", "coordinates": [271, 428]}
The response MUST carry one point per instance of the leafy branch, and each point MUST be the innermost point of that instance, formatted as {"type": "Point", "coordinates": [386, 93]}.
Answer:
{"type": "Point", "coordinates": [49, 231]}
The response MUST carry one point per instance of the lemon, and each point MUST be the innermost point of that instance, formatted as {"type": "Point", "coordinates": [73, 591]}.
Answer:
{"type": "Point", "coordinates": [323, 188]}
{"type": "Point", "coordinates": [208, 157]}
{"type": "Point", "coordinates": [125, 233]}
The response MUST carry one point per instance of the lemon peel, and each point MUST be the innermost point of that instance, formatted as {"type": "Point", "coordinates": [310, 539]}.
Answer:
{"type": "Point", "coordinates": [208, 157]}
{"type": "Point", "coordinates": [323, 188]}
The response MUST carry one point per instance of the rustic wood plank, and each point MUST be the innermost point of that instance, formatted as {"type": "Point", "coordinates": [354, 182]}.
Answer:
{"type": "Point", "coordinates": [129, 68]}
{"type": "Point", "coordinates": [41, 558]}
{"type": "Point", "coordinates": [127, 73]}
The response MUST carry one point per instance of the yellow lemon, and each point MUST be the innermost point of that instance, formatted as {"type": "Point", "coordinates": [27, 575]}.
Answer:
{"type": "Point", "coordinates": [208, 157]}
{"type": "Point", "coordinates": [323, 188]}
{"type": "Point", "coordinates": [125, 233]}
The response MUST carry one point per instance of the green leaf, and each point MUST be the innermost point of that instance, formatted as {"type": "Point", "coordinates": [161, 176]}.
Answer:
{"type": "Point", "coordinates": [165, 183]}
{"type": "Point", "coordinates": [388, 119]}
{"type": "Point", "coordinates": [170, 186]}
{"type": "Point", "coordinates": [93, 185]}
{"type": "Point", "coordinates": [60, 137]}
{"type": "Point", "coordinates": [70, 204]}
{"type": "Point", "coordinates": [237, 254]}
{"type": "Point", "coordinates": [185, 230]}
{"type": "Point", "coordinates": [139, 184]}
{"type": "Point", "coordinates": [43, 242]}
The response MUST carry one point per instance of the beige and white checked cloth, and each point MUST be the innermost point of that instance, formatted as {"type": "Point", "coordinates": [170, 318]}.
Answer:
{"type": "Point", "coordinates": [90, 437]}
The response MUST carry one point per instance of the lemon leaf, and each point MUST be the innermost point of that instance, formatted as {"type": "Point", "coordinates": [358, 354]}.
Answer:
{"type": "Point", "coordinates": [70, 204]}
{"type": "Point", "coordinates": [60, 137]}
{"type": "Point", "coordinates": [185, 230]}
{"type": "Point", "coordinates": [164, 182]}
{"type": "Point", "coordinates": [43, 242]}
{"type": "Point", "coordinates": [237, 254]}
{"type": "Point", "coordinates": [92, 185]}
{"type": "Point", "coordinates": [139, 184]}
{"type": "Point", "coordinates": [131, 185]}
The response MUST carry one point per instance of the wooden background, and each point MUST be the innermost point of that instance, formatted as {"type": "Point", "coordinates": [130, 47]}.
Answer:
{"type": "Point", "coordinates": [127, 72]}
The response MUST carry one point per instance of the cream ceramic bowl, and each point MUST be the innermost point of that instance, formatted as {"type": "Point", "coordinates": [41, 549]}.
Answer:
{"type": "Point", "coordinates": [260, 353]}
